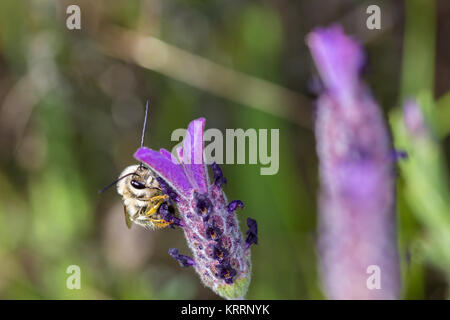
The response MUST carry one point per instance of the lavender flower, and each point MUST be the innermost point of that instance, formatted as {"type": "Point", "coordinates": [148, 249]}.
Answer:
{"type": "Point", "coordinates": [233, 205]}
{"type": "Point", "coordinates": [357, 196]}
{"type": "Point", "coordinates": [221, 257]}
{"type": "Point", "coordinates": [426, 189]}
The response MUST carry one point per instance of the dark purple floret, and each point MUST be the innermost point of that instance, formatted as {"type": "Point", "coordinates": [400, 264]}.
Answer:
{"type": "Point", "coordinates": [194, 198]}
{"type": "Point", "coordinates": [219, 253]}
{"type": "Point", "coordinates": [167, 189]}
{"type": "Point", "coordinates": [213, 233]}
{"type": "Point", "coordinates": [167, 212]}
{"type": "Point", "coordinates": [226, 272]}
{"type": "Point", "coordinates": [252, 233]}
{"type": "Point", "coordinates": [203, 205]}
{"type": "Point", "coordinates": [219, 179]}
{"type": "Point", "coordinates": [183, 260]}
{"type": "Point", "coordinates": [233, 205]}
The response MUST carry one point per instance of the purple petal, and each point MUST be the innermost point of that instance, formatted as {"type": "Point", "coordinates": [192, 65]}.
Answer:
{"type": "Point", "coordinates": [187, 172]}
{"type": "Point", "coordinates": [213, 233]}
{"type": "Point", "coordinates": [193, 154]}
{"type": "Point", "coordinates": [172, 173]}
{"type": "Point", "coordinates": [339, 60]}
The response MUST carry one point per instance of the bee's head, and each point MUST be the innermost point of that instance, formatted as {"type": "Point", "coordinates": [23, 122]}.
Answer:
{"type": "Point", "coordinates": [138, 182]}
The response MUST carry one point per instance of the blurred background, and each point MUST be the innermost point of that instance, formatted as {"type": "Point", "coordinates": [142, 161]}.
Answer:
{"type": "Point", "coordinates": [72, 106]}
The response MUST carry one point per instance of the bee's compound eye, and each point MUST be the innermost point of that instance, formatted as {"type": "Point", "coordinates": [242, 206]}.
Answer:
{"type": "Point", "coordinates": [137, 185]}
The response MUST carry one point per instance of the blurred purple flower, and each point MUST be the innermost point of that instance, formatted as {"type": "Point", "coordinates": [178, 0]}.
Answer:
{"type": "Point", "coordinates": [357, 196]}
{"type": "Point", "coordinates": [221, 257]}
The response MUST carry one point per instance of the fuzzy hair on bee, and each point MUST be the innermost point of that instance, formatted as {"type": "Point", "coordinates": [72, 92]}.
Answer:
{"type": "Point", "coordinates": [142, 197]}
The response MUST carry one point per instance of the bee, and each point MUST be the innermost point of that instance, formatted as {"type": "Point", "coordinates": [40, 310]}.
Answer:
{"type": "Point", "coordinates": [141, 193]}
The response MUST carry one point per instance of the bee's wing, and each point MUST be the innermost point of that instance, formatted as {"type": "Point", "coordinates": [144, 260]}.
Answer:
{"type": "Point", "coordinates": [128, 221]}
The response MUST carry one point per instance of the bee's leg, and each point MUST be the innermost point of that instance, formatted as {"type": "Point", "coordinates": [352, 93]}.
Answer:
{"type": "Point", "coordinates": [157, 201]}
{"type": "Point", "coordinates": [160, 223]}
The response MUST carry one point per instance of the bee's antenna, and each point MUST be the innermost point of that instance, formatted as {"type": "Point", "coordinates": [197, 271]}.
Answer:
{"type": "Point", "coordinates": [114, 182]}
{"type": "Point", "coordinates": [145, 124]}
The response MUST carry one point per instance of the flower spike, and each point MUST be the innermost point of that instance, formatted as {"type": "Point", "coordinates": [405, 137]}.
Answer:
{"type": "Point", "coordinates": [221, 257]}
